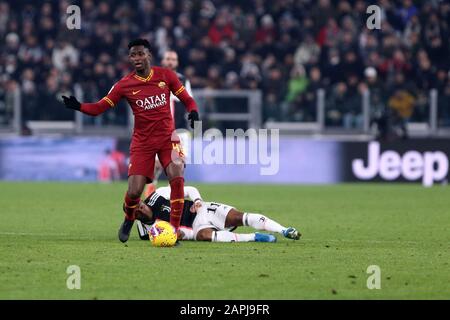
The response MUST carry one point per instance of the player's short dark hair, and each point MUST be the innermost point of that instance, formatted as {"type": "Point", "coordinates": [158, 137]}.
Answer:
{"type": "Point", "coordinates": [140, 42]}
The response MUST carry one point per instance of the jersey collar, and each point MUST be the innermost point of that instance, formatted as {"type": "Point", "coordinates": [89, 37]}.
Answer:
{"type": "Point", "coordinates": [150, 75]}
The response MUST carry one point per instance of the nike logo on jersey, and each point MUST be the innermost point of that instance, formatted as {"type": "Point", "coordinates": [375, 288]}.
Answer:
{"type": "Point", "coordinates": [135, 92]}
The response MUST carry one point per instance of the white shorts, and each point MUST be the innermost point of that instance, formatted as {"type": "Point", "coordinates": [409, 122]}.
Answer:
{"type": "Point", "coordinates": [211, 215]}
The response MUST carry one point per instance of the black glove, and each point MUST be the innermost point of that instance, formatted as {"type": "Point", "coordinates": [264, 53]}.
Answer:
{"type": "Point", "coordinates": [193, 116]}
{"type": "Point", "coordinates": [72, 103]}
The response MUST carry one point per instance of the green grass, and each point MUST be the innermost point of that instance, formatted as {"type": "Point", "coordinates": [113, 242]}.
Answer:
{"type": "Point", "coordinates": [404, 229]}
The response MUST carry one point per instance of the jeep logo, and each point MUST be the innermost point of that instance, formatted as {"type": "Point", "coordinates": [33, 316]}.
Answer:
{"type": "Point", "coordinates": [390, 165]}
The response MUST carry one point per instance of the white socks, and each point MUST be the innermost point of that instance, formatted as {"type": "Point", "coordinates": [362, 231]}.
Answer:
{"type": "Point", "coordinates": [227, 236]}
{"type": "Point", "coordinates": [260, 222]}
{"type": "Point", "coordinates": [254, 220]}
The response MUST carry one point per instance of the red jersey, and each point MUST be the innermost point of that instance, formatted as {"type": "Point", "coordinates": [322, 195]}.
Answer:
{"type": "Point", "coordinates": [149, 98]}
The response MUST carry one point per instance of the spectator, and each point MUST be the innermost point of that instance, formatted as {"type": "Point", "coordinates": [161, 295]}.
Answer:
{"type": "Point", "coordinates": [352, 111]}
{"type": "Point", "coordinates": [444, 105]}
{"type": "Point", "coordinates": [336, 103]}
{"type": "Point", "coordinates": [297, 83]}
{"type": "Point", "coordinates": [248, 31]}
{"type": "Point", "coordinates": [377, 93]}
{"type": "Point", "coordinates": [108, 169]}
{"type": "Point", "coordinates": [271, 108]}
{"type": "Point", "coordinates": [221, 30]}
{"type": "Point", "coordinates": [250, 39]}
{"type": "Point", "coordinates": [65, 56]}
{"type": "Point", "coordinates": [407, 11]}
{"type": "Point", "coordinates": [322, 12]}
{"type": "Point", "coordinates": [315, 83]}
{"type": "Point", "coordinates": [214, 80]}
{"type": "Point", "coordinates": [402, 102]}
{"type": "Point", "coordinates": [267, 29]}
{"type": "Point", "coordinates": [307, 52]}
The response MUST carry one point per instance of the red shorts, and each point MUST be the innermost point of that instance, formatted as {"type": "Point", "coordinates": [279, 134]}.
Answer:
{"type": "Point", "coordinates": [142, 163]}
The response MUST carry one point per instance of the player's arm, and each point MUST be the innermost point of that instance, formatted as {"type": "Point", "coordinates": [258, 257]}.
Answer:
{"type": "Point", "coordinates": [163, 192]}
{"type": "Point", "coordinates": [181, 93]}
{"type": "Point", "coordinates": [94, 109]}
{"type": "Point", "coordinates": [192, 193]}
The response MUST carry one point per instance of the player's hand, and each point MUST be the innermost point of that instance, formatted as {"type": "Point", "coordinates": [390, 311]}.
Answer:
{"type": "Point", "coordinates": [179, 234]}
{"type": "Point", "coordinates": [193, 116]}
{"type": "Point", "coordinates": [71, 103]}
{"type": "Point", "coordinates": [197, 205]}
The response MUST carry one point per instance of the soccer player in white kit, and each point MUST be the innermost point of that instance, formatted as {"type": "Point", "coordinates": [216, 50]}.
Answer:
{"type": "Point", "coordinates": [208, 221]}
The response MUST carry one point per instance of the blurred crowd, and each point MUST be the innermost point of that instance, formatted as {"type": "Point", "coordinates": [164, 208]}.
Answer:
{"type": "Point", "coordinates": [287, 48]}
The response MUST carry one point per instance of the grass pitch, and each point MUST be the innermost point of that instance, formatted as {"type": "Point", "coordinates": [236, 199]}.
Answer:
{"type": "Point", "coordinates": [403, 229]}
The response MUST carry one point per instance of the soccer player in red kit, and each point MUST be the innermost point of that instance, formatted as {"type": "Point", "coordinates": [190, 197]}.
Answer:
{"type": "Point", "coordinates": [147, 90]}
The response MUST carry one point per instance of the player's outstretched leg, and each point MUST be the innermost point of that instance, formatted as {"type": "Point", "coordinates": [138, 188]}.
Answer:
{"type": "Point", "coordinates": [227, 236]}
{"type": "Point", "coordinates": [261, 222]}
{"type": "Point", "coordinates": [291, 233]}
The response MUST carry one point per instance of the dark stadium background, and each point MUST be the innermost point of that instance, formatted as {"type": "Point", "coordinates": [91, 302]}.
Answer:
{"type": "Point", "coordinates": [314, 67]}
{"type": "Point", "coordinates": [392, 83]}
{"type": "Point", "coordinates": [314, 71]}
{"type": "Point", "coordinates": [287, 49]}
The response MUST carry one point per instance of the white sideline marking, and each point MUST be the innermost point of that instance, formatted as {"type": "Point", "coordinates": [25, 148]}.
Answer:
{"type": "Point", "coordinates": [31, 234]}
{"type": "Point", "coordinates": [65, 235]}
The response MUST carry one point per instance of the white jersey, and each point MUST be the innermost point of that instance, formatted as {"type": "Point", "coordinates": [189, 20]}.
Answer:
{"type": "Point", "coordinates": [191, 193]}
{"type": "Point", "coordinates": [173, 99]}
{"type": "Point", "coordinates": [187, 85]}
{"type": "Point", "coordinates": [210, 215]}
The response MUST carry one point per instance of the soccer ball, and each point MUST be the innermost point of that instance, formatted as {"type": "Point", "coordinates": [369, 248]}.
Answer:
{"type": "Point", "coordinates": [162, 234]}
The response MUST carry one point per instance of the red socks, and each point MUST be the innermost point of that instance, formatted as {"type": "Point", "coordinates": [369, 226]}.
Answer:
{"type": "Point", "coordinates": [129, 206]}
{"type": "Point", "coordinates": [176, 200]}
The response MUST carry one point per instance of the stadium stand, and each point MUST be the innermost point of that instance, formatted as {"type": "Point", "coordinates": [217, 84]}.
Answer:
{"type": "Point", "coordinates": [287, 49]}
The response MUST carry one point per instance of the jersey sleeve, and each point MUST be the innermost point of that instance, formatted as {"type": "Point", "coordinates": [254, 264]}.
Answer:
{"type": "Point", "coordinates": [192, 193]}
{"type": "Point", "coordinates": [180, 91]}
{"type": "Point", "coordinates": [189, 192]}
{"type": "Point", "coordinates": [163, 192]}
{"type": "Point", "coordinates": [187, 84]}
{"type": "Point", "coordinates": [110, 100]}
{"type": "Point", "coordinates": [114, 95]}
